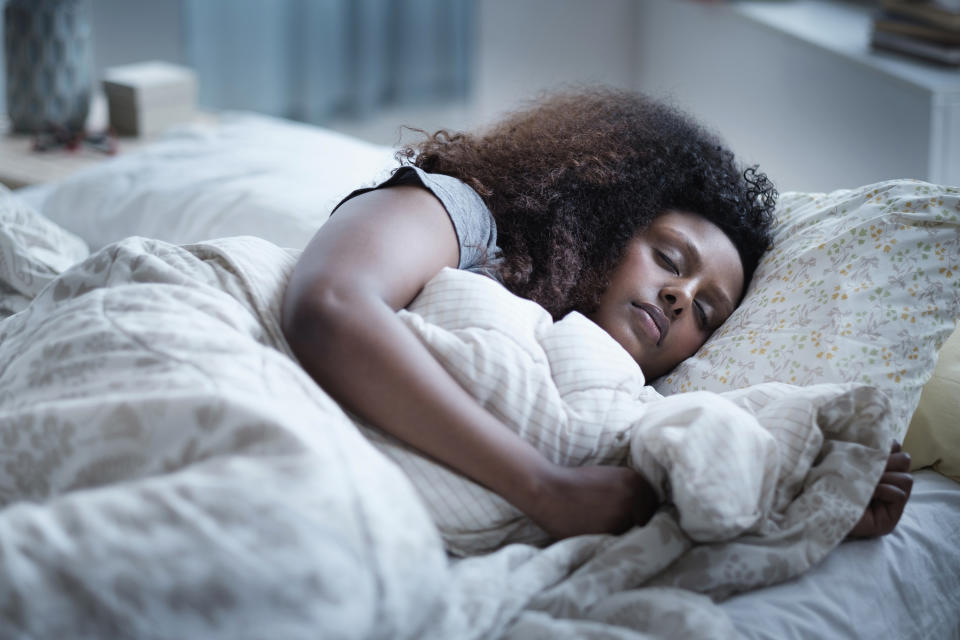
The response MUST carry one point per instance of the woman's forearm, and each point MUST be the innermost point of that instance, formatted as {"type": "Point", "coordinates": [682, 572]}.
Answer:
{"type": "Point", "coordinates": [357, 349]}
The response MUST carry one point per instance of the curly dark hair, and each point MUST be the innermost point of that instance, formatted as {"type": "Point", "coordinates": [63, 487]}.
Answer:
{"type": "Point", "coordinates": [573, 178]}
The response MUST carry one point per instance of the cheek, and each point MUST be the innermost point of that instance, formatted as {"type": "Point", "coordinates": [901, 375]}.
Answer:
{"type": "Point", "coordinates": [689, 339]}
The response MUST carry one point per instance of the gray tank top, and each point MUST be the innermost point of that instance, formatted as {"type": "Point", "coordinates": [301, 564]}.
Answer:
{"type": "Point", "coordinates": [474, 224]}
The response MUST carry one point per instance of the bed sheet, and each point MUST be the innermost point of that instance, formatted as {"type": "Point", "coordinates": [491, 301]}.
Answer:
{"type": "Point", "coordinates": [905, 585]}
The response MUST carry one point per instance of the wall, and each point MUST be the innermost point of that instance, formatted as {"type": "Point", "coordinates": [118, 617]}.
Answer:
{"type": "Point", "coordinates": [127, 31]}
{"type": "Point", "coordinates": [522, 49]}
{"type": "Point", "coordinates": [814, 120]}
{"type": "Point", "coordinates": [534, 45]}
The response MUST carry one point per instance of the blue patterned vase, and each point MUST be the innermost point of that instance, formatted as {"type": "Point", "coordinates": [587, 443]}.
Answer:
{"type": "Point", "coordinates": [47, 48]}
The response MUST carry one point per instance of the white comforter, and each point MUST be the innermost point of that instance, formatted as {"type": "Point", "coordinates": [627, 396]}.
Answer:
{"type": "Point", "coordinates": [170, 472]}
{"type": "Point", "coordinates": [572, 391]}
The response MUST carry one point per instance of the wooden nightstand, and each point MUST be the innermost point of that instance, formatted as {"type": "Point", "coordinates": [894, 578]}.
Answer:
{"type": "Point", "coordinates": [21, 166]}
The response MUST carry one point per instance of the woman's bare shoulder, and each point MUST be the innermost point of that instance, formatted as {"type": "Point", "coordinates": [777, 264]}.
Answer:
{"type": "Point", "coordinates": [389, 242]}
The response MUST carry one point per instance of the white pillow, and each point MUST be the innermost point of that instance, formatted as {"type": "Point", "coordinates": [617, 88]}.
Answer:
{"type": "Point", "coordinates": [933, 439]}
{"type": "Point", "coordinates": [247, 175]}
{"type": "Point", "coordinates": [861, 285]}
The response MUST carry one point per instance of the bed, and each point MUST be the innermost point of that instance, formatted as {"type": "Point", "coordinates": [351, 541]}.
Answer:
{"type": "Point", "coordinates": [160, 493]}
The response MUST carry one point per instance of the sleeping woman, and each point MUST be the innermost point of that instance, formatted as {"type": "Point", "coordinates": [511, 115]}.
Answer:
{"type": "Point", "coordinates": [604, 202]}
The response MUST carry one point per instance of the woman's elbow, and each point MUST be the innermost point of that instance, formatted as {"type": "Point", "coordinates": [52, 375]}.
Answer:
{"type": "Point", "coordinates": [311, 315]}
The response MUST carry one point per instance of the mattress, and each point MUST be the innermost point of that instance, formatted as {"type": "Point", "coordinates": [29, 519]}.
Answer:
{"type": "Point", "coordinates": [905, 585]}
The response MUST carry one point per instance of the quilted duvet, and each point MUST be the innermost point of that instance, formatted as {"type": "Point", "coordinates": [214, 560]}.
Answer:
{"type": "Point", "coordinates": [169, 471]}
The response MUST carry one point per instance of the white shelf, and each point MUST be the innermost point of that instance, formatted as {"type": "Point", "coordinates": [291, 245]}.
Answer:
{"type": "Point", "coordinates": [844, 29]}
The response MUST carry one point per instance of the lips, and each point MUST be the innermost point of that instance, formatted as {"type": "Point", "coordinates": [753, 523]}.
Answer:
{"type": "Point", "coordinates": [659, 319]}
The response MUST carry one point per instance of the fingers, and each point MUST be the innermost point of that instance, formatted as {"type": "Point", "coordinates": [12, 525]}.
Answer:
{"type": "Point", "coordinates": [645, 502]}
{"type": "Point", "coordinates": [902, 480]}
{"type": "Point", "coordinates": [889, 501]}
{"type": "Point", "coordinates": [882, 514]}
{"type": "Point", "coordinates": [899, 461]}
{"type": "Point", "coordinates": [889, 497]}
{"type": "Point", "coordinates": [889, 494]}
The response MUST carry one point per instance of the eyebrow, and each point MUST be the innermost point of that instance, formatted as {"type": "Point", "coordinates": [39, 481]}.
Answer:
{"type": "Point", "coordinates": [721, 299]}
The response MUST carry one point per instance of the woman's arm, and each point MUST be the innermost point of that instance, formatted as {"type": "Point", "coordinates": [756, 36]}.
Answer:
{"type": "Point", "coordinates": [366, 262]}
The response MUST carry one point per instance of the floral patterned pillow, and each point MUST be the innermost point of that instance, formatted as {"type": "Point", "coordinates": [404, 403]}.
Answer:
{"type": "Point", "coordinates": [861, 285]}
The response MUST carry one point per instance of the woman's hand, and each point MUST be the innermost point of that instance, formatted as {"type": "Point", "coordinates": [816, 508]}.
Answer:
{"type": "Point", "coordinates": [889, 498]}
{"type": "Point", "coordinates": [580, 500]}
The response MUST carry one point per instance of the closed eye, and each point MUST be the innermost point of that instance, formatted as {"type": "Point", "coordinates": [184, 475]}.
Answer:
{"type": "Point", "coordinates": [702, 316]}
{"type": "Point", "coordinates": [670, 264]}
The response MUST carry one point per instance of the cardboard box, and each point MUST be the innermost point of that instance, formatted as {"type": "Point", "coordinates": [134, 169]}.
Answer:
{"type": "Point", "coordinates": [147, 97]}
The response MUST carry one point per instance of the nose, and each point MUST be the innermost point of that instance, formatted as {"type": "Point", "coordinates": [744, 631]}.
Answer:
{"type": "Point", "coordinates": [677, 298]}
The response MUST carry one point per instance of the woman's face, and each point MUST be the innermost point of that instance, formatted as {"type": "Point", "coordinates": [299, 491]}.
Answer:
{"type": "Point", "coordinates": [679, 279]}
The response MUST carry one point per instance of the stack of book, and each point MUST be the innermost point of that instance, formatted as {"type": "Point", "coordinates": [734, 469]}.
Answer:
{"type": "Point", "coordinates": [928, 29]}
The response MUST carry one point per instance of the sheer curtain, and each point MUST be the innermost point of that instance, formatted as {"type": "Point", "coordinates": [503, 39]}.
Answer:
{"type": "Point", "coordinates": [314, 59]}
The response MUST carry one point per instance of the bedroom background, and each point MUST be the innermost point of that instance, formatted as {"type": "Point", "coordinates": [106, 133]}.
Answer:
{"type": "Point", "coordinates": [863, 286]}
{"type": "Point", "coordinates": [788, 83]}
